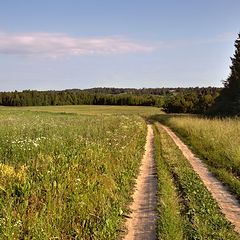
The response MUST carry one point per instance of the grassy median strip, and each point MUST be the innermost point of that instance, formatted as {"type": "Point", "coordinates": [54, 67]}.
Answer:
{"type": "Point", "coordinates": [200, 215]}
{"type": "Point", "coordinates": [170, 221]}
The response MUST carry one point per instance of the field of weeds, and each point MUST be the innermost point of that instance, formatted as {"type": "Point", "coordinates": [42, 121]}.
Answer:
{"type": "Point", "coordinates": [66, 176]}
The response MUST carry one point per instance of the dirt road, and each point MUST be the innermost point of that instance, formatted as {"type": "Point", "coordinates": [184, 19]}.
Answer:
{"type": "Point", "coordinates": [142, 222]}
{"type": "Point", "coordinates": [226, 201]}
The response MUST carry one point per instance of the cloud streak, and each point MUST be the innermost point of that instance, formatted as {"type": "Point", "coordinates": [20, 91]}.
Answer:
{"type": "Point", "coordinates": [60, 45]}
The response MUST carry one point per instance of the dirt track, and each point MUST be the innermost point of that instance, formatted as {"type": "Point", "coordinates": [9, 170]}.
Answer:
{"type": "Point", "coordinates": [226, 201]}
{"type": "Point", "coordinates": [142, 222]}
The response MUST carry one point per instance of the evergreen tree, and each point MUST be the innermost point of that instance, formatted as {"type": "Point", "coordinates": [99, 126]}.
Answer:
{"type": "Point", "coordinates": [228, 102]}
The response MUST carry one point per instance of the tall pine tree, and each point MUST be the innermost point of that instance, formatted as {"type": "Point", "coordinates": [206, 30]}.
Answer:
{"type": "Point", "coordinates": [228, 102]}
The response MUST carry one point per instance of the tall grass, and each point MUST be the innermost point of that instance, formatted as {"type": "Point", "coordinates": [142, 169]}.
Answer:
{"type": "Point", "coordinates": [216, 141]}
{"type": "Point", "coordinates": [200, 216]}
{"type": "Point", "coordinates": [66, 176]}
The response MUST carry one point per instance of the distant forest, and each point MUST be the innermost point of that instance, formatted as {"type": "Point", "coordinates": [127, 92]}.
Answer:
{"type": "Point", "coordinates": [178, 100]}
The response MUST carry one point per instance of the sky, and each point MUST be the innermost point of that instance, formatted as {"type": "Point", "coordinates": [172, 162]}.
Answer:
{"type": "Point", "coordinates": [64, 44]}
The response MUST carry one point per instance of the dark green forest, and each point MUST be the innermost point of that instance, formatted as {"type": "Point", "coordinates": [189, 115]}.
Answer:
{"type": "Point", "coordinates": [77, 97]}
{"type": "Point", "coordinates": [197, 100]}
{"type": "Point", "coordinates": [187, 100]}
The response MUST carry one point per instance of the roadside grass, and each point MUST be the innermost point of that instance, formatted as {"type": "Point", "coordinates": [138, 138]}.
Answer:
{"type": "Point", "coordinates": [66, 176]}
{"type": "Point", "coordinates": [215, 141]}
{"type": "Point", "coordinates": [200, 215]}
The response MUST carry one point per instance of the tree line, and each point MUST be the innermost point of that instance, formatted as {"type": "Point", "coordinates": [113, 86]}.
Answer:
{"type": "Point", "coordinates": [76, 97]}
{"type": "Point", "coordinates": [188, 100]}
{"type": "Point", "coordinates": [191, 101]}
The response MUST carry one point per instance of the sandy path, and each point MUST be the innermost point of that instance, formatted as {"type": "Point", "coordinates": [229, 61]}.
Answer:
{"type": "Point", "coordinates": [226, 201]}
{"type": "Point", "coordinates": [142, 222]}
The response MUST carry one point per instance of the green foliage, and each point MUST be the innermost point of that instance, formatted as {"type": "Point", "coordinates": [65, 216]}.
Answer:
{"type": "Point", "coordinates": [177, 99]}
{"type": "Point", "coordinates": [66, 176]}
{"type": "Point", "coordinates": [77, 97]}
{"type": "Point", "coordinates": [193, 101]}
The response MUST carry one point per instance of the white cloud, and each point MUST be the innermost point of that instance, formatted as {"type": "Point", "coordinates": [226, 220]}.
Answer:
{"type": "Point", "coordinates": [59, 44]}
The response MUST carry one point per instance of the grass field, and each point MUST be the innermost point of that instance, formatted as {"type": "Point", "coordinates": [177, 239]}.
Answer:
{"type": "Point", "coordinates": [92, 110]}
{"type": "Point", "coordinates": [67, 176]}
{"type": "Point", "coordinates": [67, 172]}
{"type": "Point", "coordinates": [216, 141]}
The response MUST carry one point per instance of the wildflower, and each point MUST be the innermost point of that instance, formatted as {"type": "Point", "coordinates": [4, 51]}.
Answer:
{"type": "Point", "coordinates": [22, 173]}
{"type": "Point", "coordinates": [6, 171]}
{"type": "Point", "coordinates": [18, 223]}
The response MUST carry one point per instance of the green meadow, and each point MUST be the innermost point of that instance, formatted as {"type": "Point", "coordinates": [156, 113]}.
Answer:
{"type": "Point", "coordinates": [67, 172]}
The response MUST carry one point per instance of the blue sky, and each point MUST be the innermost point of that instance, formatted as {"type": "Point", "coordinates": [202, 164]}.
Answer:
{"type": "Point", "coordinates": [62, 44]}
